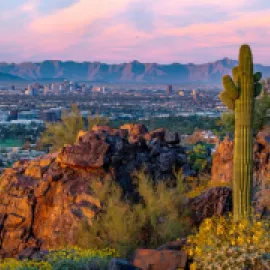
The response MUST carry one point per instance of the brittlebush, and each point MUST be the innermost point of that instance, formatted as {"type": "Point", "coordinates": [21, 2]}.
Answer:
{"type": "Point", "coordinates": [69, 258]}
{"type": "Point", "coordinates": [222, 243]}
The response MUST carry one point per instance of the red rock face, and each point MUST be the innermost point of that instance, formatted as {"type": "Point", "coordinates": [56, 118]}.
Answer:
{"type": "Point", "coordinates": [44, 201]}
{"type": "Point", "coordinates": [214, 201]}
{"type": "Point", "coordinates": [42, 205]}
{"type": "Point", "coordinates": [222, 168]}
{"type": "Point", "coordinates": [160, 259]}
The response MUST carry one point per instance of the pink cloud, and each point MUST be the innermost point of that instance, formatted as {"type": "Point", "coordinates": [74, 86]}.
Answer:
{"type": "Point", "coordinates": [77, 16]}
{"type": "Point", "coordinates": [66, 34]}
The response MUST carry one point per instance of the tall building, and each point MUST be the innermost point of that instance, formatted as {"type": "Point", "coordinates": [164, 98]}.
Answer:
{"type": "Point", "coordinates": [31, 91]}
{"type": "Point", "coordinates": [169, 89]}
{"type": "Point", "coordinates": [46, 90]}
{"type": "Point", "coordinates": [194, 94]}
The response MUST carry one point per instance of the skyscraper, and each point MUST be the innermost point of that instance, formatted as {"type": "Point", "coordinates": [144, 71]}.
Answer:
{"type": "Point", "coordinates": [169, 89]}
{"type": "Point", "coordinates": [194, 94]}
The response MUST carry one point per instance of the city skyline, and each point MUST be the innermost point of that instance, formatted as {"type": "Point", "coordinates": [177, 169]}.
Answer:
{"type": "Point", "coordinates": [117, 31]}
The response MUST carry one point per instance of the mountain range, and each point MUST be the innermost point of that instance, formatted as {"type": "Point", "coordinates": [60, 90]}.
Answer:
{"type": "Point", "coordinates": [5, 77]}
{"type": "Point", "coordinates": [133, 72]}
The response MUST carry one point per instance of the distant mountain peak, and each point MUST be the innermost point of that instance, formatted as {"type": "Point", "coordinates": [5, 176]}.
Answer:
{"type": "Point", "coordinates": [132, 72]}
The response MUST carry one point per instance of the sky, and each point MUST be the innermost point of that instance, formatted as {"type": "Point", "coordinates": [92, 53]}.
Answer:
{"type": "Point", "coordinates": [117, 31]}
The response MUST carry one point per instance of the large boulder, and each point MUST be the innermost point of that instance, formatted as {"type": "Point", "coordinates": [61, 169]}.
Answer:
{"type": "Point", "coordinates": [214, 201]}
{"type": "Point", "coordinates": [160, 259]}
{"type": "Point", "coordinates": [44, 201]}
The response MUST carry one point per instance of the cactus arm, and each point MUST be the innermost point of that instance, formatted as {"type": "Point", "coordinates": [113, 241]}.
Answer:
{"type": "Point", "coordinates": [235, 75]}
{"type": "Point", "coordinates": [227, 100]}
{"type": "Point", "coordinates": [230, 87]}
{"type": "Point", "coordinates": [258, 89]}
{"type": "Point", "coordinates": [257, 76]}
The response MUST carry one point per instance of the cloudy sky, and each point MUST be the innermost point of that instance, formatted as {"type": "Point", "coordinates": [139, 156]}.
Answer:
{"type": "Point", "coordinates": [114, 31]}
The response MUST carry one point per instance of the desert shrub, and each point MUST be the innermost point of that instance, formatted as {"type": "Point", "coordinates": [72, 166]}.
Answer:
{"type": "Point", "coordinates": [56, 135]}
{"type": "Point", "coordinates": [162, 213]}
{"type": "Point", "coordinates": [76, 258]}
{"type": "Point", "coordinates": [13, 264]}
{"type": "Point", "coordinates": [97, 120]}
{"type": "Point", "coordinates": [222, 243]}
{"type": "Point", "coordinates": [155, 218]}
{"type": "Point", "coordinates": [69, 259]}
{"type": "Point", "coordinates": [200, 157]}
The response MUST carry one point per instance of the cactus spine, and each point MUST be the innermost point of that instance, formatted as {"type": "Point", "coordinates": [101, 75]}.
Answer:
{"type": "Point", "coordinates": [239, 95]}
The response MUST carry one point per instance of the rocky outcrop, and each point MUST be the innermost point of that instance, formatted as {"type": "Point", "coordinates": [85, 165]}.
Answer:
{"type": "Point", "coordinates": [214, 201]}
{"type": "Point", "coordinates": [222, 164]}
{"type": "Point", "coordinates": [222, 168]}
{"type": "Point", "coordinates": [42, 202]}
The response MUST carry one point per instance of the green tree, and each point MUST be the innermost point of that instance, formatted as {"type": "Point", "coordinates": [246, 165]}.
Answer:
{"type": "Point", "coordinates": [199, 157]}
{"type": "Point", "coordinates": [56, 135]}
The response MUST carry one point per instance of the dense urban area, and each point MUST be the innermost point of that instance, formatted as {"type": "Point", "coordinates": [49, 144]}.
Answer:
{"type": "Point", "coordinates": [25, 108]}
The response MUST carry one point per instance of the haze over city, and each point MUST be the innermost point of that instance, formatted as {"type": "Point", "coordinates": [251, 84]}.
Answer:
{"type": "Point", "coordinates": [115, 31]}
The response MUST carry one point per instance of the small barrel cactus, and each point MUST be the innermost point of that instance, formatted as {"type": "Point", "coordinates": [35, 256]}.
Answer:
{"type": "Point", "coordinates": [239, 95]}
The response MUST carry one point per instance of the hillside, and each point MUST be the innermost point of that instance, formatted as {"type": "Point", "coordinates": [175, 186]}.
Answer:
{"type": "Point", "coordinates": [126, 72]}
{"type": "Point", "coordinates": [4, 77]}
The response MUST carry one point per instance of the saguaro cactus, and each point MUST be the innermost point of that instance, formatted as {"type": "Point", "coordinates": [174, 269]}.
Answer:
{"type": "Point", "coordinates": [239, 95]}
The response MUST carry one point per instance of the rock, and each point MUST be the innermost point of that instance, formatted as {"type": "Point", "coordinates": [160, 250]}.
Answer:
{"type": "Point", "coordinates": [28, 253]}
{"type": "Point", "coordinates": [160, 259]}
{"type": "Point", "coordinates": [172, 137]}
{"type": "Point", "coordinates": [174, 245]}
{"type": "Point", "coordinates": [262, 202]}
{"type": "Point", "coordinates": [111, 131]}
{"type": "Point", "coordinates": [135, 129]}
{"type": "Point", "coordinates": [80, 134]}
{"type": "Point", "coordinates": [90, 152]}
{"type": "Point", "coordinates": [136, 132]}
{"type": "Point", "coordinates": [44, 201]}
{"type": "Point", "coordinates": [156, 150]}
{"type": "Point", "coordinates": [214, 201]}
{"type": "Point", "coordinates": [121, 264]}
{"type": "Point", "coordinates": [187, 170]}
{"type": "Point", "coordinates": [166, 161]}
{"type": "Point", "coordinates": [222, 167]}
{"type": "Point", "coordinates": [158, 134]}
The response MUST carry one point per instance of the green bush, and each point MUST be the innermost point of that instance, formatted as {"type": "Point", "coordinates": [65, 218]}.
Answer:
{"type": "Point", "coordinates": [68, 259]}
{"type": "Point", "coordinates": [155, 218]}
{"type": "Point", "coordinates": [199, 158]}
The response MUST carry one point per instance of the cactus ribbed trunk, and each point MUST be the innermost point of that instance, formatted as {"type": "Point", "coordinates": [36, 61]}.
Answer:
{"type": "Point", "coordinates": [239, 95]}
{"type": "Point", "coordinates": [243, 138]}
